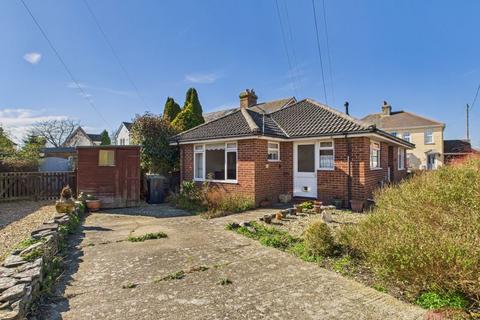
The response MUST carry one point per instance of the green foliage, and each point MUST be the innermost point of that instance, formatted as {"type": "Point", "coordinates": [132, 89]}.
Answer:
{"type": "Point", "coordinates": [300, 251]}
{"type": "Point", "coordinates": [307, 205]}
{"type": "Point", "coordinates": [189, 198]}
{"type": "Point", "coordinates": [173, 276]}
{"type": "Point", "coordinates": [52, 273]}
{"type": "Point", "coordinates": [105, 138]}
{"type": "Point", "coordinates": [34, 254]}
{"type": "Point", "coordinates": [7, 148]}
{"type": "Point", "coordinates": [225, 282]}
{"type": "Point", "coordinates": [152, 133]}
{"type": "Point", "coordinates": [25, 159]}
{"type": "Point", "coordinates": [269, 236]}
{"type": "Point", "coordinates": [26, 243]}
{"type": "Point", "coordinates": [433, 300]}
{"type": "Point", "coordinates": [191, 114]}
{"type": "Point", "coordinates": [171, 110]}
{"type": "Point", "coordinates": [318, 239]}
{"type": "Point", "coordinates": [343, 265]}
{"type": "Point", "coordinates": [148, 236]}
{"type": "Point", "coordinates": [423, 234]}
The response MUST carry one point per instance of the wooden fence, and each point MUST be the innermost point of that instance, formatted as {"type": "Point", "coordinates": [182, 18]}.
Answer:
{"type": "Point", "coordinates": [34, 185]}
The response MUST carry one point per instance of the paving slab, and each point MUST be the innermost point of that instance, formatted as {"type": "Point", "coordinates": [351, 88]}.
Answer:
{"type": "Point", "coordinates": [111, 278]}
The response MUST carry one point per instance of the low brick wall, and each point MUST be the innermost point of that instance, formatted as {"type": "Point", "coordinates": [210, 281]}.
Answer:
{"type": "Point", "coordinates": [22, 273]}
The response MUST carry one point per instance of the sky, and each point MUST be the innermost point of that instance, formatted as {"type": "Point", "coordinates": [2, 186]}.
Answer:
{"type": "Point", "coordinates": [420, 56]}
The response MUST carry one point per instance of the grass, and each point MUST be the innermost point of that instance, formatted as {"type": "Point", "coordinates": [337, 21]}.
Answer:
{"type": "Point", "coordinates": [148, 236]}
{"type": "Point", "coordinates": [129, 285]}
{"type": "Point", "coordinates": [26, 243]}
{"type": "Point", "coordinates": [173, 276]}
{"type": "Point", "coordinates": [33, 255]}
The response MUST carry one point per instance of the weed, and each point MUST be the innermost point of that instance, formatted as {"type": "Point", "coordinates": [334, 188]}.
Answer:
{"type": "Point", "coordinates": [225, 282]}
{"type": "Point", "coordinates": [379, 287]}
{"type": "Point", "coordinates": [129, 285]}
{"type": "Point", "coordinates": [343, 265]}
{"type": "Point", "coordinates": [26, 243]}
{"type": "Point", "coordinates": [433, 300]}
{"type": "Point", "coordinates": [52, 273]}
{"type": "Point", "coordinates": [173, 276]}
{"type": "Point", "coordinates": [33, 255]}
{"type": "Point", "coordinates": [300, 251]}
{"type": "Point", "coordinates": [148, 236]}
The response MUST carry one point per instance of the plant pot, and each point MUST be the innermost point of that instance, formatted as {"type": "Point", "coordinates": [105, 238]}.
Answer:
{"type": "Point", "coordinates": [357, 205]}
{"type": "Point", "coordinates": [93, 205]}
{"type": "Point", "coordinates": [66, 206]}
{"type": "Point", "coordinates": [338, 203]}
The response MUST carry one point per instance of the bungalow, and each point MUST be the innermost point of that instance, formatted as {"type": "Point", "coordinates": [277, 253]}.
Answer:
{"type": "Point", "coordinates": [305, 149]}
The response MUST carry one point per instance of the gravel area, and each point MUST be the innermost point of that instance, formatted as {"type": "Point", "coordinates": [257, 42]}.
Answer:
{"type": "Point", "coordinates": [297, 224]}
{"type": "Point", "coordinates": [18, 219]}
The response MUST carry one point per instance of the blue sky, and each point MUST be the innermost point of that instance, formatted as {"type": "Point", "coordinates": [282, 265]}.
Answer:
{"type": "Point", "coordinates": [421, 56]}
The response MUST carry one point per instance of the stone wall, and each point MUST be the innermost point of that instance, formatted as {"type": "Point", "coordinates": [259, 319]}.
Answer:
{"type": "Point", "coordinates": [23, 271]}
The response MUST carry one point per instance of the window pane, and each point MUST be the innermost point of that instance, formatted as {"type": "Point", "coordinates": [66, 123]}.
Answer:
{"type": "Point", "coordinates": [232, 145]}
{"type": "Point", "coordinates": [273, 146]}
{"type": "Point", "coordinates": [199, 148]}
{"type": "Point", "coordinates": [326, 144]}
{"type": "Point", "coordinates": [306, 158]}
{"type": "Point", "coordinates": [232, 165]}
{"type": "Point", "coordinates": [106, 158]}
{"type": "Point", "coordinates": [215, 164]}
{"type": "Point", "coordinates": [199, 165]}
{"type": "Point", "coordinates": [273, 155]}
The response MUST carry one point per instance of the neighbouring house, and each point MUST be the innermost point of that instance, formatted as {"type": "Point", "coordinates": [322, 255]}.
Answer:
{"type": "Point", "coordinates": [426, 134]}
{"type": "Point", "coordinates": [305, 149]}
{"type": "Point", "coordinates": [455, 150]}
{"type": "Point", "coordinates": [122, 136]}
{"type": "Point", "coordinates": [58, 159]}
{"type": "Point", "coordinates": [80, 138]}
{"type": "Point", "coordinates": [111, 173]}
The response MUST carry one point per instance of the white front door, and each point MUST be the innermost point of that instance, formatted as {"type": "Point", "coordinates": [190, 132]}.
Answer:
{"type": "Point", "coordinates": [304, 170]}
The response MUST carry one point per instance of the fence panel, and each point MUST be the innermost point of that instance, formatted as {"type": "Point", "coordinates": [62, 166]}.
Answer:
{"type": "Point", "coordinates": [34, 185]}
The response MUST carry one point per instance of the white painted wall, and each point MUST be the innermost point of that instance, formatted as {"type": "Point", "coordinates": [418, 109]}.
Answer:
{"type": "Point", "coordinates": [78, 140]}
{"type": "Point", "coordinates": [123, 136]}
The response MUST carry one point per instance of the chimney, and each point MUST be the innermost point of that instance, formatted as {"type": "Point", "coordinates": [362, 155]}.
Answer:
{"type": "Point", "coordinates": [248, 98]}
{"type": "Point", "coordinates": [346, 108]}
{"type": "Point", "coordinates": [386, 108]}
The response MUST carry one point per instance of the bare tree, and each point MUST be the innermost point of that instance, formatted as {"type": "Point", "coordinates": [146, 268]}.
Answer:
{"type": "Point", "coordinates": [54, 131]}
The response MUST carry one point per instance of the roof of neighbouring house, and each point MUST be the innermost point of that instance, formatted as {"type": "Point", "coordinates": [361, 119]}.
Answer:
{"type": "Point", "coordinates": [127, 125]}
{"type": "Point", "coordinates": [457, 147]}
{"type": "Point", "coordinates": [92, 137]}
{"type": "Point", "coordinates": [267, 107]}
{"type": "Point", "coordinates": [399, 119]}
{"type": "Point", "coordinates": [95, 137]}
{"type": "Point", "coordinates": [58, 150]}
{"type": "Point", "coordinates": [302, 119]}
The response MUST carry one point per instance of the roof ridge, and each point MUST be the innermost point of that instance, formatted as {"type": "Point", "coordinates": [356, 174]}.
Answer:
{"type": "Point", "coordinates": [283, 130]}
{"type": "Point", "coordinates": [417, 115]}
{"type": "Point", "coordinates": [339, 113]}
{"type": "Point", "coordinates": [253, 126]}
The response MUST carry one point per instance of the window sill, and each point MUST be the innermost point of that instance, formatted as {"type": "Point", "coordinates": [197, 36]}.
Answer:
{"type": "Point", "coordinates": [274, 160]}
{"type": "Point", "coordinates": [326, 169]}
{"type": "Point", "coordinates": [375, 168]}
{"type": "Point", "coordinates": [217, 181]}
{"type": "Point", "coordinates": [401, 169]}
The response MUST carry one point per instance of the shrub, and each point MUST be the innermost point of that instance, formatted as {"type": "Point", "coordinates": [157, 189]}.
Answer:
{"type": "Point", "coordinates": [145, 237]}
{"type": "Point", "coordinates": [318, 239]}
{"type": "Point", "coordinates": [433, 300]}
{"type": "Point", "coordinates": [306, 205]}
{"type": "Point", "coordinates": [423, 234]}
{"type": "Point", "coordinates": [189, 198]}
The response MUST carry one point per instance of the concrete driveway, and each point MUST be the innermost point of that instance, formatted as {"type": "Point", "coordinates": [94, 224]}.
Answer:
{"type": "Point", "coordinates": [110, 278]}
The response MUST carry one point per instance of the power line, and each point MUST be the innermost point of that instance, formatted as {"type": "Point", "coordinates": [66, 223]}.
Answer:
{"type": "Point", "coordinates": [295, 61]}
{"type": "Point", "coordinates": [84, 94]}
{"type": "Point", "coordinates": [319, 51]}
{"type": "Point", "coordinates": [104, 35]}
{"type": "Point", "coordinates": [328, 50]}
{"type": "Point", "coordinates": [286, 47]}
{"type": "Point", "coordinates": [475, 99]}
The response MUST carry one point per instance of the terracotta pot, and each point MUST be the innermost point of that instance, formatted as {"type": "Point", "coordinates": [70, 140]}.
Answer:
{"type": "Point", "coordinates": [357, 205]}
{"type": "Point", "coordinates": [93, 205]}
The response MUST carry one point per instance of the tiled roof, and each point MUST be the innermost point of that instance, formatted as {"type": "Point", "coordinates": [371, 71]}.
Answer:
{"type": "Point", "coordinates": [94, 137]}
{"type": "Point", "coordinates": [302, 119]}
{"type": "Point", "coordinates": [308, 118]}
{"type": "Point", "coordinates": [57, 149]}
{"type": "Point", "coordinates": [457, 146]}
{"type": "Point", "coordinates": [127, 125]}
{"type": "Point", "coordinates": [398, 120]}
{"type": "Point", "coordinates": [266, 107]}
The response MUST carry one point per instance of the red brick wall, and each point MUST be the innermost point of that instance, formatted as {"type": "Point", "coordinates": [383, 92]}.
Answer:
{"type": "Point", "coordinates": [263, 179]}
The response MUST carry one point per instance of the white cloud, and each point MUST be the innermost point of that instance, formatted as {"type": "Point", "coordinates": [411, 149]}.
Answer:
{"type": "Point", "coordinates": [202, 78]}
{"type": "Point", "coordinates": [18, 121]}
{"type": "Point", "coordinates": [32, 57]}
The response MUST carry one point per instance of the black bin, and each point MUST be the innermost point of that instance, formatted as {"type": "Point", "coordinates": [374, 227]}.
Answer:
{"type": "Point", "coordinates": [157, 188]}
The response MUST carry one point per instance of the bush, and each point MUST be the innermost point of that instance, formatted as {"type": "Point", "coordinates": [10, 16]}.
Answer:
{"type": "Point", "coordinates": [424, 234]}
{"type": "Point", "coordinates": [189, 198]}
{"type": "Point", "coordinates": [433, 300]}
{"type": "Point", "coordinates": [318, 239]}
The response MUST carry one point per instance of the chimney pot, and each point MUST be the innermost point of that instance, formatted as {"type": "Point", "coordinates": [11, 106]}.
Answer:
{"type": "Point", "coordinates": [386, 108]}
{"type": "Point", "coordinates": [346, 104]}
{"type": "Point", "coordinates": [248, 98]}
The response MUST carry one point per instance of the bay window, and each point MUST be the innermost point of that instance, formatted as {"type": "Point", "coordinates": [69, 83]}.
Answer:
{"type": "Point", "coordinates": [326, 156]}
{"type": "Point", "coordinates": [215, 161]}
{"type": "Point", "coordinates": [374, 155]}
{"type": "Point", "coordinates": [273, 151]}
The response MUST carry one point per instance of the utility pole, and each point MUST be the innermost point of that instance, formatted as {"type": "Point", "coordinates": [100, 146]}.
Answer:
{"type": "Point", "coordinates": [468, 123]}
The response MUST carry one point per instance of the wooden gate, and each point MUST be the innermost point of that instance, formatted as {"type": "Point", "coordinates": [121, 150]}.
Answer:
{"type": "Point", "coordinates": [34, 185]}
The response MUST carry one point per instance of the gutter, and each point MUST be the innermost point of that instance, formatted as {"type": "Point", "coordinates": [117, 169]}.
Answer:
{"type": "Point", "coordinates": [349, 174]}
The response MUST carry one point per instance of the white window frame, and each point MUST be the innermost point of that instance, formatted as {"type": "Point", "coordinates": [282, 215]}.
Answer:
{"type": "Point", "coordinates": [405, 135]}
{"type": "Point", "coordinates": [394, 133]}
{"type": "Point", "coordinates": [379, 149]}
{"type": "Point", "coordinates": [401, 158]}
{"type": "Point", "coordinates": [202, 150]}
{"type": "Point", "coordinates": [326, 148]}
{"type": "Point", "coordinates": [277, 150]}
{"type": "Point", "coordinates": [428, 133]}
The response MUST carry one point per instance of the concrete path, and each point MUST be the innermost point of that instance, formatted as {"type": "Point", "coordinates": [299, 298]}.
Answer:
{"type": "Point", "coordinates": [110, 278]}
